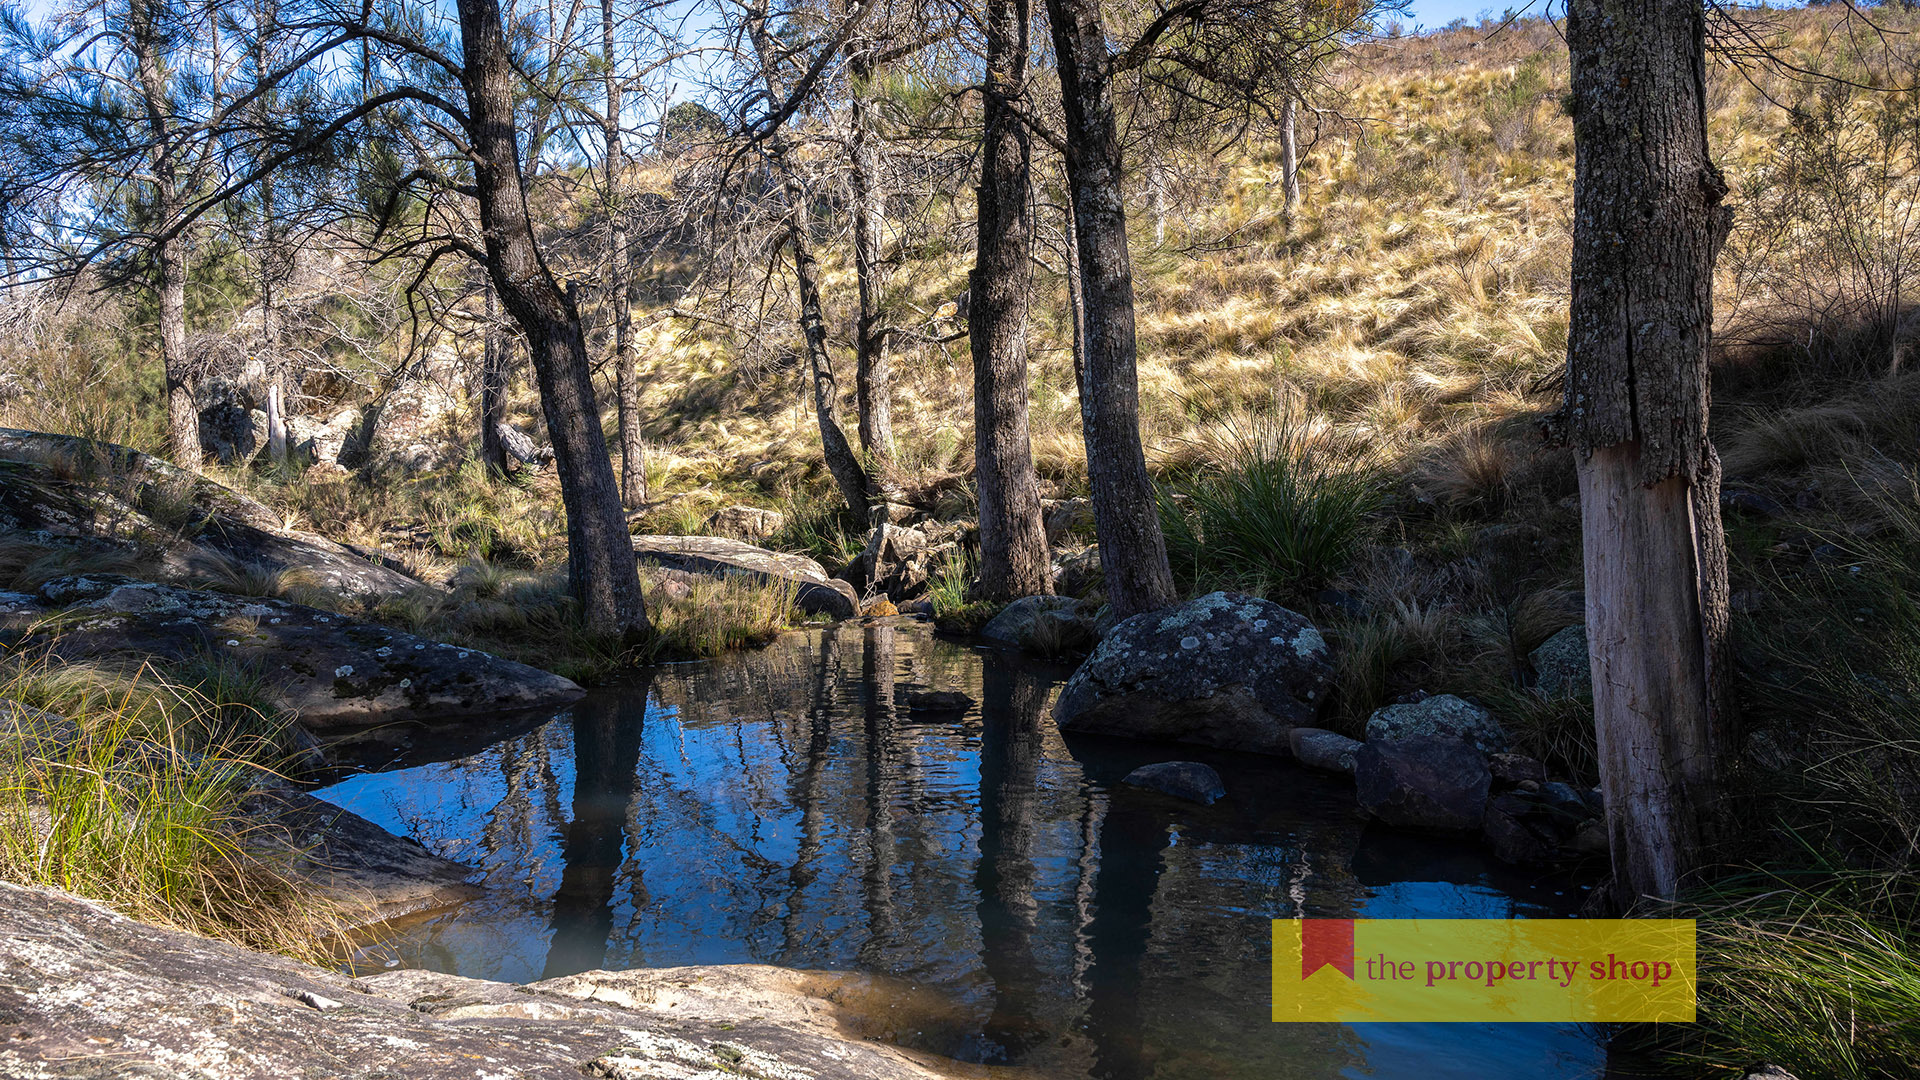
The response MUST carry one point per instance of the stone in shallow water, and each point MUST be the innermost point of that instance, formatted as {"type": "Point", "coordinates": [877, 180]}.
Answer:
{"type": "Point", "coordinates": [1188, 780]}
{"type": "Point", "coordinates": [1225, 670]}
{"type": "Point", "coordinates": [1423, 783]}
{"type": "Point", "coordinates": [939, 701]}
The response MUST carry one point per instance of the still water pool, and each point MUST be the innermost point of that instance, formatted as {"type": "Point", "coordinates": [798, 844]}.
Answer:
{"type": "Point", "coordinates": [785, 807]}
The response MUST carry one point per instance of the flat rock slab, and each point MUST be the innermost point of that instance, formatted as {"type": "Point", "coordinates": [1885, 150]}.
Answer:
{"type": "Point", "coordinates": [331, 671]}
{"type": "Point", "coordinates": [1225, 670]}
{"type": "Point", "coordinates": [717, 556]}
{"type": "Point", "coordinates": [1318, 748]}
{"type": "Point", "coordinates": [64, 488]}
{"type": "Point", "coordinates": [87, 993]}
{"type": "Point", "coordinates": [371, 874]}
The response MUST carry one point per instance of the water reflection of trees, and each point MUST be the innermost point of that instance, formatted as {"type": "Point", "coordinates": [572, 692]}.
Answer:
{"type": "Point", "coordinates": [785, 807]}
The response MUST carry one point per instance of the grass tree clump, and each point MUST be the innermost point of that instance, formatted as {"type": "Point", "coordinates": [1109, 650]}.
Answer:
{"type": "Point", "coordinates": [1275, 507]}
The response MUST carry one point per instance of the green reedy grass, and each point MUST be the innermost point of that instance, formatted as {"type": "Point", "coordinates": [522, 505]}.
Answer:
{"type": "Point", "coordinates": [133, 799]}
{"type": "Point", "coordinates": [821, 528]}
{"type": "Point", "coordinates": [1275, 508]}
{"type": "Point", "coordinates": [717, 615]}
{"type": "Point", "coordinates": [953, 611]}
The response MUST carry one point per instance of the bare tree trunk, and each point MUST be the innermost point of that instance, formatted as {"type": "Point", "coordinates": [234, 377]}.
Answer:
{"type": "Point", "coordinates": [169, 256]}
{"type": "Point", "coordinates": [276, 422]}
{"type": "Point", "coordinates": [1648, 226]}
{"type": "Point", "coordinates": [1013, 538]}
{"type": "Point", "coordinates": [873, 374]}
{"type": "Point", "coordinates": [1132, 549]}
{"type": "Point", "coordinates": [493, 389]}
{"type": "Point", "coordinates": [1289, 158]}
{"type": "Point", "coordinates": [601, 573]}
{"type": "Point", "coordinates": [848, 474]}
{"type": "Point", "coordinates": [633, 462]}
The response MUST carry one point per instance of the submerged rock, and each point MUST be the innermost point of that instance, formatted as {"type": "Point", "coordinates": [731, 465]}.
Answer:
{"type": "Point", "coordinates": [1189, 780]}
{"type": "Point", "coordinates": [1423, 782]}
{"type": "Point", "coordinates": [329, 670]}
{"type": "Point", "coordinates": [86, 992]}
{"type": "Point", "coordinates": [1225, 670]}
{"type": "Point", "coordinates": [716, 556]}
{"type": "Point", "coordinates": [939, 701]}
{"type": "Point", "coordinates": [1443, 716]}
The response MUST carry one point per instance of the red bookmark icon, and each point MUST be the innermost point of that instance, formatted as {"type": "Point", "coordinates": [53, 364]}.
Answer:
{"type": "Point", "coordinates": [1324, 943]}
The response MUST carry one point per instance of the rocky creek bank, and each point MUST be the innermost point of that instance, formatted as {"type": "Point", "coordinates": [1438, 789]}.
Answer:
{"type": "Point", "coordinates": [86, 993]}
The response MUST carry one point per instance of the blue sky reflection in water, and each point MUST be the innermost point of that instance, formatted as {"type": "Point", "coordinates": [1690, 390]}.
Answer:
{"type": "Point", "coordinates": [785, 807]}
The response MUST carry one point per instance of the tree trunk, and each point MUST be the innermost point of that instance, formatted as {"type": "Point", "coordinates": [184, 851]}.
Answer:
{"type": "Point", "coordinates": [1648, 225]}
{"type": "Point", "coordinates": [1289, 159]}
{"type": "Point", "coordinates": [848, 474]}
{"type": "Point", "coordinates": [276, 422]}
{"type": "Point", "coordinates": [183, 414]}
{"type": "Point", "coordinates": [1125, 516]}
{"type": "Point", "coordinates": [169, 256]}
{"type": "Point", "coordinates": [873, 375]}
{"type": "Point", "coordinates": [633, 460]}
{"type": "Point", "coordinates": [601, 573]}
{"type": "Point", "coordinates": [493, 389]}
{"type": "Point", "coordinates": [1013, 538]}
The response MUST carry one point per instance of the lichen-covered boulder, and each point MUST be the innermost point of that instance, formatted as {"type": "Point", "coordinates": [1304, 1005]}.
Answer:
{"type": "Point", "coordinates": [1561, 666]}
{"type": "Point", "coordinates": [1443, 716]}
{"type": "Point", "coordinates": [1225, 670]}
{"type": "Point", "coordinates": [1423, 782]}
{"type": "Point", "coordinates": [87, 993]}
{"type": "Point", "coordinates": [331, 671]}
{"type": "Point", "coordinates": [718, 557]}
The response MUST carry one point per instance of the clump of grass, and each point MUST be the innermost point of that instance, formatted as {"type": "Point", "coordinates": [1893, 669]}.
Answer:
{"type": "Point", "coordinates": [1818, 969]}
{"type": "Point", "coordinates": [713, 616]}
{"type": "Point", "coordinates": [949, 590]}
{"type": "Point", "coordinates": [131, 795]}
{"type": "Point", "coordinates": [1279, 506]}
{"type": "Point", "coordinates": [823, 529]}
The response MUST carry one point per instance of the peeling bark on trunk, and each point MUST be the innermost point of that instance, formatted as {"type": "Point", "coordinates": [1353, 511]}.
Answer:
{"type": "Point", "coordinates": [1132, 549]}
{"type": "Point", "coordinates": [1289, 159]}
{"type": "Point", "coordinates": [601, 573]}
{"type": "Point", "coordinates": [1648, 225]}
{"type": "Point", "coordinates": [633, 461]}
{"type": "Point", "coordinates": [1013, 536]}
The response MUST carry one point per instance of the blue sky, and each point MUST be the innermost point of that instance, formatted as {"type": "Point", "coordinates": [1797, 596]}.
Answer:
{"type": "Point", "coordinates": [1433, 14]}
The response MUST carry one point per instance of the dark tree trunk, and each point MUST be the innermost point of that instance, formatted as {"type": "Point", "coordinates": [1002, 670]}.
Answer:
{"type": "Point", "coordinates": [873, 374]}
{"type": "Point", "coordinates": [601, 573]}
{"type": "Point", "coordinates": [169, 256]}
{"type": "Point", "coordinates": [848, 474]}
{"type": "Point", "coordinates": [1132, 549]}
{"type": "Point", "coordinates": [493, 389]}
{"type": "Point", "coordinates": [1013, 538]}
{"type": "Point", "coordinates": [1648, 225]}
{"type": "Point", "coordinates": [633, 450]}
